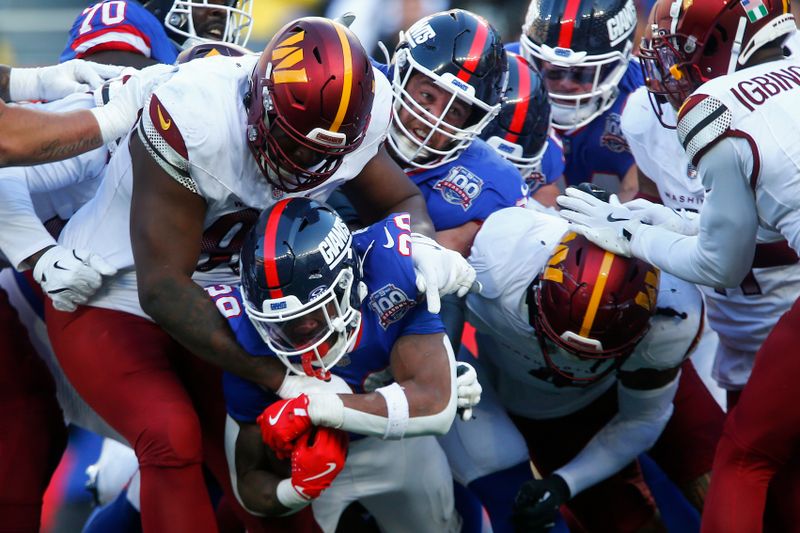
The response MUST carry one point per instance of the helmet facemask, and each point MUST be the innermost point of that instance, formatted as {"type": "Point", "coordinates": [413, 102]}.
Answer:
{"type": "Point", "coordinates": [235, 28]}
{"type": "Point", "coordinates": [600, 74]}
{"type": "Point", "coordinates": [417, 151]}
{"type": "Point", "coordinates": [311, 338]}
{"type": "Point", "coordinates": [571, 344]}
{"type": "Point", "coordinates": [291, 161]}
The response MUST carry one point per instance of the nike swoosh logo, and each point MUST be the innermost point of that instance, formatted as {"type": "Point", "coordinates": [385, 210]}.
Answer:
{"type": "Point", "coordinates": [612, 219]}
{"type": "Point", "coordinates": [59, 267]}
{"type": "Point", "coordinates": [331, 468]}
{"type": "Point", "coordinates": [165, 124]}
{"type": "Point", "coordinates": [545, 497]}
{"type": "Point", "coordinates": [389, 238]}
{"type": "Point", "coordinates": [275, 419]}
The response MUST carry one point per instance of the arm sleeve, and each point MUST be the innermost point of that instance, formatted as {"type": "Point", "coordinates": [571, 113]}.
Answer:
{"type": "Point", "coordinates": [721, 254]}
{"type": "Point", "coordinates": [23, 233]}
{"type": "Point", "coordinates": [641, 419]}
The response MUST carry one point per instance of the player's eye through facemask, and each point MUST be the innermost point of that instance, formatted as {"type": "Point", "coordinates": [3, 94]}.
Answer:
{"type": "Point", "coordinates": [311, 339]}
{"type": "Point", "coordinates": [450, 72]}
{"type": "Point", "coordinates": [582, 56]}
{"type": "Point", "coordinates": [191, 21]}
{"type": "Point", "coordinates": [291, 160]}
{"type": "Point", "coordinates": [301, 284]}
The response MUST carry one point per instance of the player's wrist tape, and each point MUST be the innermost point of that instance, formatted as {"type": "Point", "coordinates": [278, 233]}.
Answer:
{"type": "Point", "coordinates": [23, 84]}
{"type": "Point", "coordinates": [397, 410]}
{"type": "Point", "coordinates": [113, 124]}
{"type": "Point", "coordinates": [326, 409]}
{"type": "Point", "coordinates": [289, 497]}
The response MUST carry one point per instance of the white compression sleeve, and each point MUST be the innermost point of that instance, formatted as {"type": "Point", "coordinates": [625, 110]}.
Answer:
{"type": "Point", "coordinates": [635, 428]}
{"type": "Point", "coordinates": [23, 233]}
{"type": "Point", "coordinates": [327, 409]}
{"type": "Point", "coordinates": [722, 252]}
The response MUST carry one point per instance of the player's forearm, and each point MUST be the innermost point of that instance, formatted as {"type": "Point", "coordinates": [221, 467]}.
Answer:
{"type": "Point", "coordinates": [5, 77]}
{"type": "Point", "coordinates": [258, 490]}
{"type": "Point", "coordinates": [413, 406]}
{"type": "Point", "coordinates": [640, 421]}
{"type": "Point", "coordinates": [415, 206]}
{"type": "Point", "coordinates": [29, 137]}
{"type": "Point", "coordinates": [184, 310]}
{"type": "Point", "coordinates": [23, 238]}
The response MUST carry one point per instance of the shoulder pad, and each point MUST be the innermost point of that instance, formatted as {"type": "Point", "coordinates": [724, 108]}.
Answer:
{"type": "Point", "coordinates": [703, 120]}
{"type": "Point", "coordinates": [164, 142]}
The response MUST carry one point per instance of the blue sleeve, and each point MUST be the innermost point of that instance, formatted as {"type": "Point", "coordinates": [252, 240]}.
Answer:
{"type": "Point", "coordinates": [389, 273]}
{"type": "Point", "coordinates": [119, 25]}
{"type": "Point", "coordinates": [229, 303]}
{"type": "Point", "coordinates": [386, 70]}
{"type": "Point", "coordinates": [513, 47]}
{"type": "Point", "coordinates": [553, 163]}
{"type": "Point", "coordinates": [245, 400]}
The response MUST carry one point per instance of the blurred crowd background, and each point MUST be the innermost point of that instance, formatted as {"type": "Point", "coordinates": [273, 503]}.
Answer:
{"type": "Point", "coordinates": [34, 32]}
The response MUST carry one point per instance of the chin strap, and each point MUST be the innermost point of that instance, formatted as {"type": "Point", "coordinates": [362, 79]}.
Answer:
{"type": "Point", "coordinates": [736, 48]}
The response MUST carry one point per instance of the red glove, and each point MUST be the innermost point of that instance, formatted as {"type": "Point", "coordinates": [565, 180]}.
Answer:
{"type": "Point", "coordinates": [317, 459]}
{"type": "Point", "coordinates": [282, 422]}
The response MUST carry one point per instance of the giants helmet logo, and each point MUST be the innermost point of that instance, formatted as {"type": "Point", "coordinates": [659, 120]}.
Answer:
{"type": "Point", "coordinates": [459, 187]}
{"type": "Point", "coordinates": [390, 304]}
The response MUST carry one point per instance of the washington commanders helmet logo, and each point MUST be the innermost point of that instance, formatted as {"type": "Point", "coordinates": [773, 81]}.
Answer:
{"type": "Point", "coordinates": [285, 57]}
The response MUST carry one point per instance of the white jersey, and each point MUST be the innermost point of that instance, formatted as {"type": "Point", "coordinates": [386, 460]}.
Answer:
{"type": "Point", "coordinates": [501, 312]}
{"type": "Point", "coordinates": [742, 316]}
{"type": "Point", "coordinates": [194, 127]}
{"type": "Point", "coordinates": [46, 194]}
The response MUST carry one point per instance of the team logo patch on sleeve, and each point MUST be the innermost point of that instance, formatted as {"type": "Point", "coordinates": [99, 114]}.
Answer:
{"type": "Point", "coordinates": [390, 303]}
{"type": "Point", "coordinates": [612, 137]}
{"type": "Point", "coordinates": [164, 126]}
{"type": "Point", "coordinates": [459, 187]}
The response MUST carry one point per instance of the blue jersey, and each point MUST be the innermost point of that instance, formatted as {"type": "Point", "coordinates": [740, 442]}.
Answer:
{"type": "Point", "coordinates": [553, 165]}
{"type": "Point", "coordinates": [119, 25]}
{"type": "Point", "coordinates": [471, 187]}
{"type": "Point", "coordinates": [391, 310]}
{"type": "Point", "coordinates": [598, 152]}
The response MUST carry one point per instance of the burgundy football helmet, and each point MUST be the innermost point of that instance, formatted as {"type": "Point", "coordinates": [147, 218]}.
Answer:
{"type": "Point", "coordinates": [692, 41]}
{"type": "Point", "coordinates": [593, 305]}
{"type": "Point", "coordinates": [310, 100]}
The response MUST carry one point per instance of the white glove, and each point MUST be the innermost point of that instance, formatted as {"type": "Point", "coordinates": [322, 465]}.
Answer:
{"type": "Point", "coordinates": [609, 225]}
{"type": "Point", "coordinates": [468, 389]}
{"type": "Point", "coordinates": [70, 277]}
{"type": "Point", "coordinates": [58, 81]}
{"type": "Point", "coordinates": [439, 271]}
{"type": "Point", "coordinates": [120, 114]}
{"type": "Point", "coordinates": [683, 222]}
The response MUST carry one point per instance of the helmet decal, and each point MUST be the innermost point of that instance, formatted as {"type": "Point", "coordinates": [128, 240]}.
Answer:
{"type": "Point", "coordinates": [284, 57]}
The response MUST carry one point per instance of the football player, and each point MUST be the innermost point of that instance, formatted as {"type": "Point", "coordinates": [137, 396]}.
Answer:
{"type": "Point", "coordinates": [583, 48]}
{"type": "Point", "coordinates": [742, 316]}
{"type": "Point", "coordinates": [328, 303]}
{"type": "Point", "coordinates": [449, 75]}
{"type": "Point", "coordinates": [137, 34]}
{"type": "Point", "coordinates": [279, 126]}
{"type": "Point", "coordinates": [723, 65]}
{"type": "Point", "coordinates": [521, 131]}
{"type": "Point", "coordinates": [583, 349]}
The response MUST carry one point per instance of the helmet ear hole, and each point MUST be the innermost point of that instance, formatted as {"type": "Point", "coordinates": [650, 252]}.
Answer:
{"type": "Point", "coordinates": [712, 44]}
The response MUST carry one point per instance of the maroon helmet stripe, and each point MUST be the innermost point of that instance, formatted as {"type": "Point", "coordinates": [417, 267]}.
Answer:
{"type": "Point", "coordinates": [270, 240]}
{"type": "Point", "coordinates": [475, 52]}
{"type": "Point", "coordinates": [568, 23]}
{"type": "Point", "coordinates": [521, 111]}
